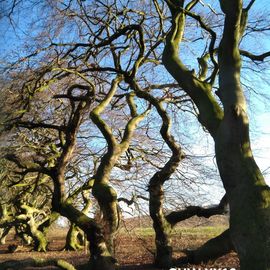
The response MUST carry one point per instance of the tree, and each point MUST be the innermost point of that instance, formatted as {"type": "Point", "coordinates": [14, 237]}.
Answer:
{"type": "Point", "coordinates": [123, 49]}
{"type": "Point", "coordinates": [248, 194]}
{"type": "Point", "coordinates": [52, 143]}
{"type": "Point", "coordinates": [25, 206]}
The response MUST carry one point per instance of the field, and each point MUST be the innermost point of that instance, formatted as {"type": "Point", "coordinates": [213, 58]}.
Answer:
{"type": "Point", "coordinates": [134, 245]}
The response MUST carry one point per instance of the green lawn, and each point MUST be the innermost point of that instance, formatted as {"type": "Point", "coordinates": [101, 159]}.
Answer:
{"type": "Point", "coordinates": [209, 231]}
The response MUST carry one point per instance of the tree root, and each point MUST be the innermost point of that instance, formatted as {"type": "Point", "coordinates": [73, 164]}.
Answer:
{"type": "Point", "coordinates": [10, 265]}
{"type": "Point", "coordinates": [212, 249]}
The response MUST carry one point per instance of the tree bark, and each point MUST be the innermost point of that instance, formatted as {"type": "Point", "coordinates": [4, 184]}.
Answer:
{"type": "Point", "coordinates": [163, 256]}
{"type": "Point", "coordinates": [32, 226]}
{"type": "Point", "coordinates": [248, 195]}
{"type": "Point", "coordinates": [15, 264]}
{"type": "Point", "coordinates": [103, 192]}
{"type": "Point", "coordinates": [100, 257]}
{"type": "Point", "coordinates": [72, 242]}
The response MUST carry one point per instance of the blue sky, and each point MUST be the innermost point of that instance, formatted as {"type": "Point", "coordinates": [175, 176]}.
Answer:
{"type": "Point", "coordinates": [11, 41]}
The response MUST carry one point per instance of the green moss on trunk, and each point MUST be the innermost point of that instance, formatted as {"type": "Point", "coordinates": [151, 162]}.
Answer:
{"type": "Point", "coordinates": [248, 194]}
{"type": "Point", "coordinates": [72, 241]}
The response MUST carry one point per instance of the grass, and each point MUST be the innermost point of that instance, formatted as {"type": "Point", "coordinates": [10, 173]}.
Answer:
{"type": "Point", "coordinates": [205, 231]}
{"type": "Point", "coordinates": [209, 231]}
{"type": "Point", "coordinates": [134, 248]}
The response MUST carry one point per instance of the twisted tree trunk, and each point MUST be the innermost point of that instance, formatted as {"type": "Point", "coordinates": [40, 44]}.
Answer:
{"type": "Point", "coordinates": [162, 227]}
{"type": "Point", "coordinates": [27, 218]}
{"type": "Point", "coordinates": [248, 195]}
{"type": "Point", "coordinates": [102, 190]}
{"type": "Point", "coordinates": [100, 257]}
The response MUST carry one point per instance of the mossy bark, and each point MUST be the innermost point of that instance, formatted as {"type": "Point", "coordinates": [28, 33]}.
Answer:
{"type": "Point", "coordinates": [100, 256]}
{"type": "Point", "coordinates": [102, 190]}
{"type": "Point", "coordinates": [45, 226]}
{"type": "Point", "coordinates": [40, 240]}
{"type": "Point", "coordinates": [61, 204]}
{"type": "Point", "coordinates": [163, 256]}
{"type": "Point", "coordinates": [247, 193]}
{"type": "Point", "coordinates": [15, 264]}
{"type": "Point", "coordinates": [72, 242]}
{"type": "Point", "coordinates": [108, 203]}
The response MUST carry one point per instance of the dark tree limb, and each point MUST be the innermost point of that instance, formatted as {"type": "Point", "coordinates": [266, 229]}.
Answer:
{"type": "Point", "coordinates": [212, 249]}
{"type": "Point", "coordinates": [255, 57]}
{"type": "Point", "coordinates": [15, 264]}
{"type": "Point", "coordinates": [177, 216]}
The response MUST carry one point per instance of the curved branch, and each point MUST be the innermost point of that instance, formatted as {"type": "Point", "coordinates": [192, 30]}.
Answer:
{"type": "Point", "coordinates": [255, 57]}
{"type": "Point", "coordinates": [32, 125]}
{"type": "Point", "coordinates": [132, 123]}
{"type": "Point", "coordinates": [249, 5]}
{"type": "Point", "coordinates": [210, 112]}
{"type": "Point", "coordinates": [162, 229]}
{"type": "Point", "coordinates": [212, 43]}
{"type": "Point", "coordinates": [191, 211]}
{"type": "Point", "coordinates": [95, 114]}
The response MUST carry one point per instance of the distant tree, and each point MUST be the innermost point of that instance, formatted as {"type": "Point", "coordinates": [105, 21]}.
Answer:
{"type": "Point", "coordinates": [25, 207]}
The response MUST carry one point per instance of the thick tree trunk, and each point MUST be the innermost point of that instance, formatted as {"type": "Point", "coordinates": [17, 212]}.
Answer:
{"type": "Point", "coordinates": [162, 227]}
{"type": "Point", "coordinates": [107, 199]}
{"type": "Point", "coordinates": [248, 195]}
{"type": "Point", "coordinates": [31, 227]}
{"type": "Point", "coordinates": [100, 257]}
{"type": "Point", "coordinates": [40, 241]}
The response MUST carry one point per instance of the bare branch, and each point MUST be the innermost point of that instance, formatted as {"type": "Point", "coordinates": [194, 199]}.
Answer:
{"type": "Point", "coordinates": [255, 57]}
